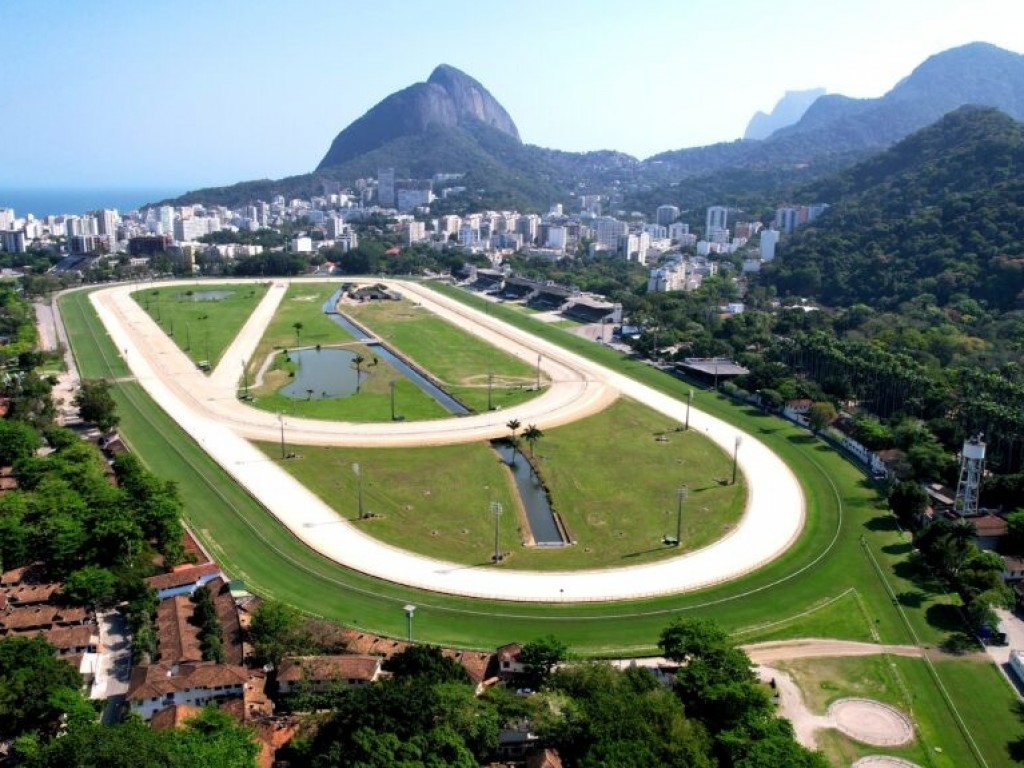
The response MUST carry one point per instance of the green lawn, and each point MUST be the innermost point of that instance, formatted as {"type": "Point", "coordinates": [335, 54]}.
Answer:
{"type": "Point", "coordinates": [613, 483]}
{"type": "Point", "coordinates": [459, 360]}
{"type": "Point", "coordinates": [826, 562]}
{"type": "Point", "coordinates": [201, 321]}
{"type": "Point", "coordinates": [978, 693]}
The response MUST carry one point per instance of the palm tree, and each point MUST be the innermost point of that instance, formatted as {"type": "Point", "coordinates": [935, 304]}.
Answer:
{"type": "Point", "coordinates": [357, 363]}
{"type": "Point", "coordinates": [531, 435]}
{"type": "Point", "coordinates": [514, 425]}
{"type": "Point", "coordinates": [298, 332]}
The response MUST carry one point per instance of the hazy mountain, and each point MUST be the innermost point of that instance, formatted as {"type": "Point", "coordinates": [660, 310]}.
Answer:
{"type": "Point", "coordinates": [940, 213]}
{"type": "Point", "coordinates": [449, 99]}
{"type": "Point", "coordinates": [789, 109]}
{"type": "Point", "coordinates": [838, 126]}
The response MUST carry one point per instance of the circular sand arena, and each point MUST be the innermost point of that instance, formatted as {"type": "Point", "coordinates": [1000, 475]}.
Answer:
{"type": "Point", "coordinates": [871, 722]}
{"type": "Point", "coordinates": [883, 761]}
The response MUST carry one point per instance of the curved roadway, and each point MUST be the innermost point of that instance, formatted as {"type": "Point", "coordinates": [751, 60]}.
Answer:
{"type": "Point", "coordinates": [208, 409]}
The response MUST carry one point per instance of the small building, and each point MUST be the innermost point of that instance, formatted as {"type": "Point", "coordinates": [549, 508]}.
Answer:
{"type": "Point", "coordinates": [711, 370]}
{"type": "Point", "coordinates": [324, 671]}
{"type": "Point", "coordinates": [184, 580]}
{"type": "Point", "coordinates": [508, 661]}
{"type": "Point", "coordinates": [155, 686]}
{"type": "Point", "coordinates": [989, 531]}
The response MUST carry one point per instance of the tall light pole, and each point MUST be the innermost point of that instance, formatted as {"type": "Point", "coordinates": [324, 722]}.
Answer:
{"type": "Point", "coordinates": [409, 609]}
{"type": "Point", "coordinates": [538, 373]}
{"type": "Point", "coordinates": [735, 456]}
{"type": "Point", "coordinates": [245, 382]}
{"type": "Point", "coordinates": [391, 386]}
{"type": "Point", "coordinates": [359, 486]}
{"type": "Point", "coordinates": [681, 493]}
{"type": "Point", "coordinates": [280, 418]}
{"type": "Point", "coordinates": [188, 337]}
{"type": "Point", "coordinates": [490, 387]}
{"type": "Point", "coordinates": [689, 402]}
{"type": "Point", "coordinates": [496, 511]}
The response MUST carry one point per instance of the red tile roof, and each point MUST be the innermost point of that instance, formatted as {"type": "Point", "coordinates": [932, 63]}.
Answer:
{"type": "Point", "coordinates": [320, 668]}
{"type": "Point", "coordinates": [182, 577]}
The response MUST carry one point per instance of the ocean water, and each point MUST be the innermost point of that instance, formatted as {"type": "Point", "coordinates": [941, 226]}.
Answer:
{"type": "Point", "coordinates": [45, 202]}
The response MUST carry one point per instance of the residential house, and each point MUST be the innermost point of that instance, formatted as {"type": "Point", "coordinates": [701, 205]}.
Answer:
{"type": "Point", "coordinates": [155, 686]}
{"type": "Point", "coordinates": [324, 671]}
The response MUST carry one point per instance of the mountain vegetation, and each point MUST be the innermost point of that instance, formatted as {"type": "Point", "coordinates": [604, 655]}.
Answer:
{"type": "Point", "coordinates": [940, 214]}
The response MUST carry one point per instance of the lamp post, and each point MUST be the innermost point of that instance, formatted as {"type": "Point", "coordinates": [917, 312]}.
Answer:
{"type": "Point", "coordinates": [496, 511]}
{"type": "Point", "coordinates": [409, 609]}
{"type": "Point", "coordinates": [245, 382]}
{"type": "Point", "coordinates": [359, 486]}
{"type": "Point", "coordinates": [391, 386]}
{"type": "Point", "coordinates": [538, 373]}
{"type": "Point", "coordinates": [490, 387]}
{"type": "Point", "coordinates": [188, 337]}
{"type": "Point", "coordinates": [689, 402]}
{"type": "Point", "coordinates": [280, 419]}
{"type": "Point", "coordinates": [681, 493]}
{"type": "Point", "coordinates": [735, 456]}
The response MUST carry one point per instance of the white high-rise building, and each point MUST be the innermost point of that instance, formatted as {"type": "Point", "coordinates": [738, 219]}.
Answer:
{"type": "Point", "coordinates": [608, 230]}
{"type": "Point", "coordinates": [107, 221]}
{"type": "Point", "coordinates": [6, 218]}
{"type": "Point", "coordinates": [677, 231]}
{"type": "Point", "coordinates": [386, 187]}
{"type": "Point", "coordinates": [666, 214]}
{"type": "Point", "coordinates": [415, 232]}
{"type": "Point", "coordinates": [769, 239]}
{"type": "Point", "coordinates": [717, 218]}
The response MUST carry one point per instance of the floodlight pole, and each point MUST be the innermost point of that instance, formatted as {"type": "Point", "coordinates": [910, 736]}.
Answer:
{"type": "Point", "coordinates": [735, 456]}
{"type": "Point", "coordinates": [689, 402]}
{"type": "Point", "coordinates": [188, 337]}
{"type": "Point", "coordinates": [681, 493]}
{"type": "Point", "coordinates": [490, 387]}
{"type": "Point", "coordinates": [392, 388]}
{"type": "Point", "coordinates": [359, 486]}
{"type": "Point", "coordinates": [280, 418]}
{"type": "Point", "coordinates": [409, 611]}
{"type": "Point", "coordinates": [496, 511]}
{"type": "Point", "coordinates": [245, 382]}
{"type": "Point", "coordinates": [538, 373]}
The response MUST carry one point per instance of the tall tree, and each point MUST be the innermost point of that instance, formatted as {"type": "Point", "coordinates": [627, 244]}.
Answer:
{"type": "Point", "coordinates": [96, 405]}
{"type": "Point", "coordinates": [531, 435]}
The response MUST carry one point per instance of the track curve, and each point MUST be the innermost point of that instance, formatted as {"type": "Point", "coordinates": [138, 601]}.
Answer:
{"type": "Point", "coordinates": [207, 408]}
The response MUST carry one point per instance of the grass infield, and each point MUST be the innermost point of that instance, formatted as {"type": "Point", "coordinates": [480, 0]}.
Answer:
{"type": "Point", "coordinates": [612, 481]}
{"type": "Point", "coordinates": [202, 319]}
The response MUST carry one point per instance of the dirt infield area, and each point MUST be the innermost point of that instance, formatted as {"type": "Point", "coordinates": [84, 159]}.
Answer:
{"type": "Point", "coordinates": [871, 722]}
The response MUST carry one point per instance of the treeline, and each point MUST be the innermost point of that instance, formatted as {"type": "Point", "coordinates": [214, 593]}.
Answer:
{"type": "Point", "coordinates": [714, 714]}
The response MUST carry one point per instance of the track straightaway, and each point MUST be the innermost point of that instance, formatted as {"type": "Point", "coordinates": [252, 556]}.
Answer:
{"type": "Point", "coordinates": [208, 409]}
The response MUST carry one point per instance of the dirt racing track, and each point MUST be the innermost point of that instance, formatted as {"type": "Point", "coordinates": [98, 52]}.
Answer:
{"type": "Point", "coordinates": [207, 407]}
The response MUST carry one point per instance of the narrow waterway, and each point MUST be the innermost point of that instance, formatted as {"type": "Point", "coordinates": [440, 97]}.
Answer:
{"type": "Point", "coordinates": [535, 498]}
{"type": "Point", "coordinates": [382, 351]}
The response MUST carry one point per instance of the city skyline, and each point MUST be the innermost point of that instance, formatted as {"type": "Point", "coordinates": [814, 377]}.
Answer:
{"type": "Point", "coordinates": [196, 95]}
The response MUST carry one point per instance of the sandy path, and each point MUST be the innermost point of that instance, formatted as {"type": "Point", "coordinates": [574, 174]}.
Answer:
{"type": "Point", "coordinates": [208, 409]}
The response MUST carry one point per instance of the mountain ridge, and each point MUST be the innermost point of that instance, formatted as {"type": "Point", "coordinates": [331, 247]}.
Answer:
{"type": "Point", "coordinates": [834, 131]}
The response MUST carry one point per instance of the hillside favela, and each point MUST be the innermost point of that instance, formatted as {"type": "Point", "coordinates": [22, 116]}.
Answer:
{"type": "Point", "coordinates": [457, 450]}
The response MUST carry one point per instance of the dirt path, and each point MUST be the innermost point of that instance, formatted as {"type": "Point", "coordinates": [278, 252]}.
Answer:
{"type": "Point", "coordinates": [787, 650]}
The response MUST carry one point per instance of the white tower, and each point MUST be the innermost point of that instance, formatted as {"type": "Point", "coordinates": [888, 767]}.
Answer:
{"type": "Point", "coordinates": [972, 462]}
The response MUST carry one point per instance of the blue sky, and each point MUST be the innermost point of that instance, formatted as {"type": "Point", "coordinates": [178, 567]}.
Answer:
{"type": "Point", "coordinates": [166, 93]}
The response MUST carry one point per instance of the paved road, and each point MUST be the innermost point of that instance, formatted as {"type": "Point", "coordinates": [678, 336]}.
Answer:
{"type": "Point", "coordinates": [208, 409]}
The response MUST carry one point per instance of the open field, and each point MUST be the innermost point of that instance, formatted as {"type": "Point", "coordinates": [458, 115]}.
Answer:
{"type": "Point", "coordinates": [611, 480]}
{"type": "Point", "coordinates": [978, 692]}
{"type": "Point", "coordinates": [457, 359]}
{"type": "Point", "coordinates": [201, 328]}
{"type": "Point", "coordinates": [826, 562]}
